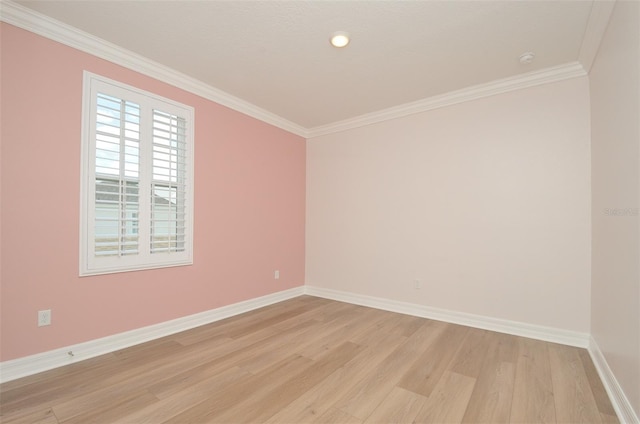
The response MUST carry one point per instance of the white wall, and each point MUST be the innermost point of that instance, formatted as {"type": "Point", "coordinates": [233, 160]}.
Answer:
{"type": "Point", "coordinates": [615, 112]}
{"type": "Point", "coordinates": [487, 202]}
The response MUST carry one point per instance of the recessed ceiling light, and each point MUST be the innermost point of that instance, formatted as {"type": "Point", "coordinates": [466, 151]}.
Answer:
{"type": "Point", "coordinates": [339, 39]}
{"type": "Point", "coordinates": [527, 58]}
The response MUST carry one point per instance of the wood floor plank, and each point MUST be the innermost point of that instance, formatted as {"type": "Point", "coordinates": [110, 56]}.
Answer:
{"type": "Point", "coordinates": [491, 399]}
{"type": "Point", "coordinates": [471, 356]}
{"type": "Point", "coordinates": [192, 393]}
{"type": "Point", "coordinates": [109, 409]}
{"type": "Point", "coordinates": [190, 375]}
{"type": "Point", "coordinates": [261, 408]}
{"type": "Point", "coordinates": [41, 414]}
{"type": "Point", "coordinates": [603, 403]}
{"type": "Point", "coordinates": [427, 369]}
{"type": "Point", "coordinates": [157, 369]}
{"type": "Point", "coordinates": [571, 389]}
{"type": "Point", "coordinates": [345, 328]}
{"type": "Point", "coordinates": [336, 416]}
{"type": "Point", "coordinates": [309, 407]}
{"type": "Point", "coordinates": [405, 325]}
{"type": "Point", "coordinates": [533, 390]}
{"type": "Point", "coordinates": [268, 351]}
{"type": "Point", "coordinates": [493, 392]}
{"type": "Point", "coordinates": [309, 360]}
{"type": "Point", "coordinates": [448, 400]}
{"type": "Point", "coordinates": [314, 341]}
{"type": "Point", "coordinates": [224, 354]}
{"type": "Point", "coordinates": [609, 419]}
{"type": "Point", "coordinates": [256, 386]}
{"type": "Point", "coordinates": [400, 406]}
{"type": "Point", "coordinates": [265, 323]}
{"type": "Point", "coordinates": [318, 338]}
{"type": "Point", "coordinates": [362, 399]}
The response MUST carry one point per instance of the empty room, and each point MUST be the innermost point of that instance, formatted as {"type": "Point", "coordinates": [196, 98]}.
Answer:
{"type": "Point", "coordinates": [319, 211]}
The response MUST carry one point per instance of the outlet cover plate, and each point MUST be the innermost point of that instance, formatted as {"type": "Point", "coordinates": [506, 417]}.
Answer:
{"type": "Point", "coordinates": [44, 317]}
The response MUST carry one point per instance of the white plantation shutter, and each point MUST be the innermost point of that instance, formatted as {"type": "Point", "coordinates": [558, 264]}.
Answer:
{"type": "Point", "coordinates": [168, 192]}
{"type": "Point", "coordinates": [137, 182]}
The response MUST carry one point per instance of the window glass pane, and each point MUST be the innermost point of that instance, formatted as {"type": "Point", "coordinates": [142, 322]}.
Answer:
{"type": "Point", "coordinates": [116, 217]}
{"type": "Point", "coordinates": [117, 158]}
{"type": "Point", "coordinates": [168, 219]}
{"type": "Point", "coordinates": [117, 136]}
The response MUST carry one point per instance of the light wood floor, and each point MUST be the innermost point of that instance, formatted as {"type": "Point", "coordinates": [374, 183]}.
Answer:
{"type": "Point", "coordinates": [315, 360]}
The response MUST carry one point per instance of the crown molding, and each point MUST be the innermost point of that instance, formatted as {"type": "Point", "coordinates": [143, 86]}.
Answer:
{"type": "Point", "coordinates": [593, 34]}
{"type": "Point", "coordinates": [27, 19]}
{"type": "Point", "coordinates": [530, 79]}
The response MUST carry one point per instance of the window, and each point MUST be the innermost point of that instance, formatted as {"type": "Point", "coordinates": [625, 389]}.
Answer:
{"type": "Point", "coordinates": [137, 179]}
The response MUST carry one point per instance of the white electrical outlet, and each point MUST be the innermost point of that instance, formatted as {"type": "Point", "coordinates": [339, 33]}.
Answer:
{"type": "Point", "coordinates": [276, 275]}
{"type": "Point", "coordinates": [44, 317]}
{"type": "Point", "coordinates": [417, 284]}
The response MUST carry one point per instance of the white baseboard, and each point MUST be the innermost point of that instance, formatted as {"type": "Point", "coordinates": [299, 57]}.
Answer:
{"type": "Point", "coordinates": [620, 403]}
{"type": "Point", "coordinates": [28, 365]}
{"type": "Point", "coordinates": [550, 334]}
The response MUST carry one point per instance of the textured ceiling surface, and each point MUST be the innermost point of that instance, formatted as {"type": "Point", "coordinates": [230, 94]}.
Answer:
{"type": "Point", "coordinates": [276, 54]}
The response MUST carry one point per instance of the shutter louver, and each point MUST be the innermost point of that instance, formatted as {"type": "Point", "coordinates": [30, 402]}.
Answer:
{"type": "Point", "coordinates": [168, 191]}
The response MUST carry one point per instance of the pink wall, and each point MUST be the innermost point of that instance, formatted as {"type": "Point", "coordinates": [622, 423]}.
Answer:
{"type": "Point", "coordinates": [249, 208]}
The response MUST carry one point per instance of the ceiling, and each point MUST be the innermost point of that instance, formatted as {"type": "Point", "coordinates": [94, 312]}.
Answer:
{"type": "Point", "coordinates": [276, 54]}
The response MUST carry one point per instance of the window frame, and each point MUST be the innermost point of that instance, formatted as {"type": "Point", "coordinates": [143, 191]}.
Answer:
{"type": "Point", "coordinates": [90, 264]}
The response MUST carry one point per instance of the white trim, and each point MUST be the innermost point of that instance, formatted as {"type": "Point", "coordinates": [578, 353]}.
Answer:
{"type": "Point", "coordinates": [530, 79]}
{"type": "Point", "coordinates": [30, 20]}
{"type": "Point", "coordinates": [596, 26]}
{"type": "Point", "coordinates": [22, 367]}
{"type": "Point", "coordinates": [620, 403]}
{"type": "Point", "coordinates": [549, 334]}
